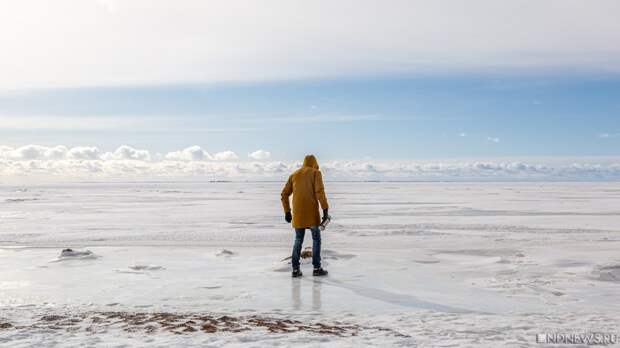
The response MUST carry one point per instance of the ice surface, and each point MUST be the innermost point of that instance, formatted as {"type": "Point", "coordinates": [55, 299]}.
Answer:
{"type": "Point", "coordinates": [146, 267]}
{"type": "Point", "coordinates": [426, 264]}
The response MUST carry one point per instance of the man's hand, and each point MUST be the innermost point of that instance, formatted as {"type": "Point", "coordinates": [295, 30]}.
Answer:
{"type": "Point", "coordinates": [325, 215]}
{"type": "Point", "coordinates": [288, 217]}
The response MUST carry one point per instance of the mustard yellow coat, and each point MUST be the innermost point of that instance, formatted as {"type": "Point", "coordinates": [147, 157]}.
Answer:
{"type": "Point", "coordinates": [306, 186]}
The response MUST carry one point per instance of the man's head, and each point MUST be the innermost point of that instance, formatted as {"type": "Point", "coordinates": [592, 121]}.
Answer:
{"type": "Point", "coordinates": [310, 161]}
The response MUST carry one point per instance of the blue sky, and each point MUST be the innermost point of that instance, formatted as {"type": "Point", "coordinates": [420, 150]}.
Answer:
{"type": "Point", "coordinates": [346, 80]}
{"type": "Point", "coordinates": [391, 118]}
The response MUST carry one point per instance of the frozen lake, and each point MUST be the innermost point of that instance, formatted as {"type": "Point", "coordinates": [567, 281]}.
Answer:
{"type": "Point", "coordinates": [411, 264]}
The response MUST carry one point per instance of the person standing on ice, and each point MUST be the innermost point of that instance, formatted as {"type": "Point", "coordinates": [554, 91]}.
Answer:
{"type": "Point", "coordinates": [306, 186]}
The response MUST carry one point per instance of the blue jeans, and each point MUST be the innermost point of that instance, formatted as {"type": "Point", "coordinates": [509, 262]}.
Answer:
{"type": "Point", "coordinates": [316, 246]}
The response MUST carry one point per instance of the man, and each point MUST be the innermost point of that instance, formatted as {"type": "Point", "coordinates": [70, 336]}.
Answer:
{"type": "Point", "coordinates": [306, 186]}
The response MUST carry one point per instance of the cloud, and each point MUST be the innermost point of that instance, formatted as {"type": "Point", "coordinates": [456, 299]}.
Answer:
{"type": "Point", "coordinates": [260, 155]}
{"type": "Point", "coordinates": [25, 152]}
{"type": "Point", "coordinates": [83, 162]}
{"type": "Point", "coordinates": [125, 152]}
{"type": "Point", "coordinates": [192, 153]}
{"type": "Point", "coordinates": [56, 152]}
{"type": "Point", "coordinates": [225, 156]}
{"type": "Point", "coordinates": [31, 152]}
{"type": "Point", "coordinates": [83, 122]}
{"type": "Point", "coordinates": [20, 105]}
{"type": "Point", "coordinates": [220, 40]}
{"type": "Point", "coordinates": [83, 153]}
{"type": "Point", "coordinates": [196, 153]}
{"type": "Point", "coordinates": [608, 135]}
{"type": "Point", "coordinates": [333, 118]}
{"type": "Point", "coordinates": [493, 139]}
{"type": "Point", "coordinates": [477, 136]}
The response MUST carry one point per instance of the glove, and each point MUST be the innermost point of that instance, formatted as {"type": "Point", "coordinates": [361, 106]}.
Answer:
{"type": "Point", "coordinates": [325, 211]}
{"type": "Point", "coordinates": [288, 217]}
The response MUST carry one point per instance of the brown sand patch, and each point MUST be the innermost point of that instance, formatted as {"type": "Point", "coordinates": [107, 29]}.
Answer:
{"type": "Point", "coordinates": [183, 323]}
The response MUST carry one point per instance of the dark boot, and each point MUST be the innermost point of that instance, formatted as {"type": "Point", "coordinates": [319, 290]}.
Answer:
{"type": "Point", "coordinates": [297, 273]}
{"type": "Point", "coordinates": [319, 272]}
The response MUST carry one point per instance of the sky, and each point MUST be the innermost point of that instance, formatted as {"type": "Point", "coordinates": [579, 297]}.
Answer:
{"type": "Point", "coordinates": [90, 83]}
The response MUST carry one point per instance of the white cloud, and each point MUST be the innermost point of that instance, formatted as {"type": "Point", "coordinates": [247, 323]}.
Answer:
{"type": "Point", "coordinates": [56, 152]}
{"type": "Point", "coordinates": [60, 152]}
{"type": "Point", "coordinates": [66, 42]}
{"type": "Point", "coordinates": [481, 137]}
{"type": "Point", "coordinates": [83, 153]}
{"type": "Point", "coordinates": [333, 118]}
{"type": "Point", "coordinates": [608, 135]}
{"type": "Point", "coordinates": [83, 122]}
{"type": "Point", "coordinates": [260, 155]}
{"type": "Point", "coordinates": [80, 122]}
{"type": "Point", "coordinates": [60, 162]}
{"type": "Point", "coordinates": [31, 152]}
{"type": "Point", "coordinates": [225, 156]}
{"type": "Point", "coordinates": [192, 153]}
{"type": "Point", "coordinates": [196, 153]}
{"type": "Point", "coordinates": [125, 152]}
{"type": "Point", "coordinates": [493, 139]}
{"type": "Point", "coordinates": [28, 152]}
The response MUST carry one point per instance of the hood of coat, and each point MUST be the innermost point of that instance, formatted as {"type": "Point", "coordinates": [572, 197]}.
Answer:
{"type": "Point", "coordinates": [310, 161]}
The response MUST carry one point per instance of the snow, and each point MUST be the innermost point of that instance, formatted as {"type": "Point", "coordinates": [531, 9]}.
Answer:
{"type": "Point", "coordinates": [411, 264]}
